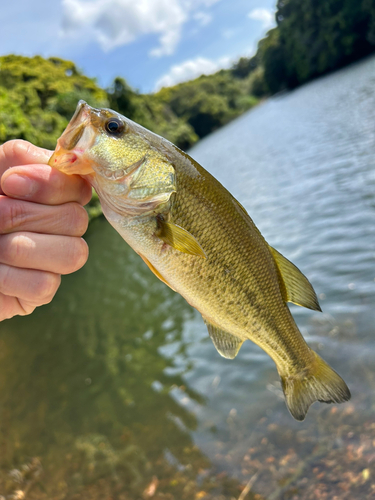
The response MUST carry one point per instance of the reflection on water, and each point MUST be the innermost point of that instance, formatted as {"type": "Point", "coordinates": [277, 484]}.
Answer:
{"type": "Point", "coordinates": [115, 390]}
{"type": "Point", "coordinates": [84, 389]}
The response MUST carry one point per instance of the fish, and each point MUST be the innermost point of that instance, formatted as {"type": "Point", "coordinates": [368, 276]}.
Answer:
{"type": "Point", "coordinates": [201, 242]}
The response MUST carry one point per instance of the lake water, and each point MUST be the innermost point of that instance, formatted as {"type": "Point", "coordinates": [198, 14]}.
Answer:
{"type": "Point", "coordinates": [114, 390]}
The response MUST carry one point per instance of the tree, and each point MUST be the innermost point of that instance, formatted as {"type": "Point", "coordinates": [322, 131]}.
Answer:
{"type": "Point", "coordinates": [38, 96]}
{"type": "Point", "coordinates": [314, 37]}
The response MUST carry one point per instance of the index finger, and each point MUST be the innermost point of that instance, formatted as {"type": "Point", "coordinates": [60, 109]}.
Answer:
{"type": "Point", "coordinates": [18, 152]}
{"type": "Point", "coordinates": [46, 185]}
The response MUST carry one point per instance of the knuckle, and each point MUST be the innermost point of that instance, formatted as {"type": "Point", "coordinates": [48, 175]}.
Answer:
{"type": "Point", "coordinates": [57, 184]}
{"type": "Point", "coordinates": [24, 308]}
{"type": "Point", "coordinates": [76, 219]}
{"type": "Point", "coordinates": [86, 192]}
{"type": "Point", "coordinates": [17, 150]}
{"type": "Point", "coordinates": [79, 253]}
{"type": "Point", "coordinates": [12, 214]}
{"type": "Point", "coordinates": [14, 147]}
{"type": "Point", "coordinates": [10, 250]}
{"type": "Point", "coordinates": [6, 278]}
{"type": "Point", "coordinates": [16, 248]}
{"type": "Point", "coordinates": [46, 287]}
{"type": "Point", "coordinates": [12, 151]}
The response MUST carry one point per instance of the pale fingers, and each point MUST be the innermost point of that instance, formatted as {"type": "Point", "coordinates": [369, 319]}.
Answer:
{"type": "Point", "coordinates": [18, 152]}
{"type": "Point", "coordinates": [53, 253]}
{"type": "Point", "coordinates": [41, 219]}
{"type": "Point", "coordinates": [35, 287]}
{"type": "Point", "coordinates": [11, 306]}
{"type": "Point", "coordinates": [44, 184]}
{"type": "Point", "coordinates": [35, 180]}
{"type": "Point", "coordinates": [69, 219]}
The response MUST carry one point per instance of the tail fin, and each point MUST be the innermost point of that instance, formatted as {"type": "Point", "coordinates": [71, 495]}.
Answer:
{"type": "Point", "coordinates": [318, 382]}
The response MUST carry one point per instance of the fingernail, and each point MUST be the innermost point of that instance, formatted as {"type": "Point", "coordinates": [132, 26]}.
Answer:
{"type": "Point", "coordinates": [19, 185]}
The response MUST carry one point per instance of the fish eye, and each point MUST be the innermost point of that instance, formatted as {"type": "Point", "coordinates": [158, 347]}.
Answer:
{"type": "Point", "coordinates": [114, 126]}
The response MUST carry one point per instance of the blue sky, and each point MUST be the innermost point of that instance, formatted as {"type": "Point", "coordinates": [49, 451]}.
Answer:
{"type": "Point", "coordinates": [150, 43]}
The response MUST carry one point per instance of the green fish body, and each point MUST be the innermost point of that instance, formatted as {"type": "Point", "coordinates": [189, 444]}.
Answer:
{"type": "Point", "coordinates": [198, 239]}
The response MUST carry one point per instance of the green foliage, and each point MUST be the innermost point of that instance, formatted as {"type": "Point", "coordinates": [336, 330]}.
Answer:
{"type": "Point", "coordinates": [186, 112]}
{"type": "Point", "coordinates": [150, 112]}
{"type": "Point", "coordinates": [244, 66]}
{"type": "Point", "coordinates": [271, 53]}
{"type": "Point", "coordinates": [208, 102]}
{"type": "Point", "coordinates": [121, 97]}
{"type": "Point", "coordinates": [38, 97]}
{"type": "Point", "coordinates": [314, 37]}
{"type": "Point", "coordinates": [257, 83]}
{"type": "Point", "coordinates": [369, 8]}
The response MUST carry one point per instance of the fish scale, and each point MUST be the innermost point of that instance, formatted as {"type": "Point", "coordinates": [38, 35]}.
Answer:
{"type": "Point", "coordinates": [242, 250]}
{"type": "Point", "coordinates": [201, 242]}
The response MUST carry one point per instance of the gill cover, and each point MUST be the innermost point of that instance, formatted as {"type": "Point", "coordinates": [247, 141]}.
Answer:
{"type": "Point", "coordinates": [129, 174]}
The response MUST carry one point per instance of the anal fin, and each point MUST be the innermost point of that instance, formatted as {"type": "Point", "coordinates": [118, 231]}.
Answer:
{"type": "Point", "coordinates": [227, 345]}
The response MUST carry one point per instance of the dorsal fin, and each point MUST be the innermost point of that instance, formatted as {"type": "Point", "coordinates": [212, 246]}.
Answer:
{"type": "Point", "coordinates": [295, 287]}
{"type": "Point", "coordinates": [227, 345]}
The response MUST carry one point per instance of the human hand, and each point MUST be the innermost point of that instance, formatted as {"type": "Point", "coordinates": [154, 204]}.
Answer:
{"type": "Point", "coordinates": [41, 221]}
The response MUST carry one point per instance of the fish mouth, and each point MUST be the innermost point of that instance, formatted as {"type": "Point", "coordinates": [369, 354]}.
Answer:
{"type": "Point", "coordinates": [78, 136]}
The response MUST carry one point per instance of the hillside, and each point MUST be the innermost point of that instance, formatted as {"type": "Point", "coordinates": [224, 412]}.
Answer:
{"type": "Point", "coordinates": [38, 96]}
{"type": "Point", "coordinates": [312, 38]}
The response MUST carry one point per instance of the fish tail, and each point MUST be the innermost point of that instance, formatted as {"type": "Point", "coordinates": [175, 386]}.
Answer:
{"type": "Point", "coordinates": [317, 382]}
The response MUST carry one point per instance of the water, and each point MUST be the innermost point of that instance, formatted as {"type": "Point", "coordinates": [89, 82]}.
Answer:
{"type": "Point", "coordinates": [115, 391]}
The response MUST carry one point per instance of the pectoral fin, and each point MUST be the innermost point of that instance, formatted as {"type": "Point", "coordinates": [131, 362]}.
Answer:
{"type": "Point", "coordinates": [227, 345]}
{"type": "Point", "coordinates": [178, 238]}
{"type": "Point", "coordinates": [156, 272]}
{"type": "Point", "coordinates": [295, 287]}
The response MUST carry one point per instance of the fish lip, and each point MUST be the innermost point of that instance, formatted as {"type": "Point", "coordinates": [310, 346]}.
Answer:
{"type": "Point", "coordinates": [81, 104]}
{"type": "Point", "coordinates": [76, 126]}
{"type": "Point", "coordinates": [67, 153]}
{"type": "Point", "coordinates": [78, 135]}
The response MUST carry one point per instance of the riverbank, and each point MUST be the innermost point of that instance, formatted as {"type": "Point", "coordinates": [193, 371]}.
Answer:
{"type": "Point", "coordinates": [115, 387]}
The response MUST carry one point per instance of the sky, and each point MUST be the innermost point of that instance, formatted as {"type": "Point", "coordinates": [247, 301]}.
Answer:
{"type": "Point", "coordinates": [150, 43]}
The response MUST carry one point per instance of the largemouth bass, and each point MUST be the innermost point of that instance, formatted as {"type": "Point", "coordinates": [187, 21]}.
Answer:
{"type": "Point", "coordinates": [200, 241]}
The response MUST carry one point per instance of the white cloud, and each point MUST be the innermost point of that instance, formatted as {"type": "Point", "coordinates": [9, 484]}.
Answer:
{"type": "Point", "coordinates": [266, 16]}
{"type": "Point", "coordinates": [203, 18]}
{"type": "Point", "coordinates": [191, 69]}
{"type": "Point", "coordinates": [118, 22]}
